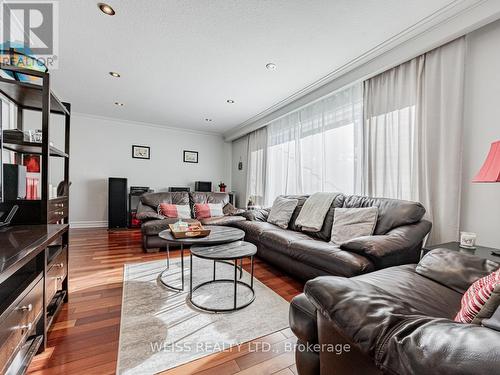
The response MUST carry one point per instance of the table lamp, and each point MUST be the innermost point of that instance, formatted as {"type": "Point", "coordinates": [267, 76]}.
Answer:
{"type": "Point", "coordinates": [490, 171]}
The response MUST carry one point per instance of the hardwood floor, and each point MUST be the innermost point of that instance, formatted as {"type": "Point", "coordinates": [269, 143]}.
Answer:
{"type": "Point", "coordinates": [84, 339]}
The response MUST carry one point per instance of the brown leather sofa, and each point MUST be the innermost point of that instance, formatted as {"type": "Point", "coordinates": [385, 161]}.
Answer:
{"type": "Point", "coordinates": [398, 238]}
{"type": "Point", "coordinates": [398, 320]}
{"type": "Point", "coordinates": [153, 223]}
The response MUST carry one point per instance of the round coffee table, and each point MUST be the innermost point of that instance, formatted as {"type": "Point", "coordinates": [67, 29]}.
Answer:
{"type": "Point", "coordinates": [218, 235]}
{"type": "Point", "coordinates": [224, 253]}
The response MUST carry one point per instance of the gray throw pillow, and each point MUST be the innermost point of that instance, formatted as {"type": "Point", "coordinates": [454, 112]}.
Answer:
{"type": "Point", "coordinates": [349, 223]}
{"type": "Point", "coordinates": [282, 211]}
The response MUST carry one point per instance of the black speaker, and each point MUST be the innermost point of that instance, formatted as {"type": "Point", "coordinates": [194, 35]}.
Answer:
{"type": "Point", "coordinates": [117, 203]}
{"type": "Point", "coordinates": [14, 178]}
{"type": "Point", "coordinates": [203, 186]}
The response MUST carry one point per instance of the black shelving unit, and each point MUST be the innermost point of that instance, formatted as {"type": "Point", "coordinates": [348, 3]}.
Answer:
{"type": "Point", "coordinates": [38, 97]}
{"type": "Point", "coordinates": [54, 257]}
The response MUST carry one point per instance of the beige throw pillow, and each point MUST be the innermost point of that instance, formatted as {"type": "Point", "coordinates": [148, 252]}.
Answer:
{"type": "Point", "coordinates": [282, 211]}
{"type": "Point", "coordinates": [349, 223]}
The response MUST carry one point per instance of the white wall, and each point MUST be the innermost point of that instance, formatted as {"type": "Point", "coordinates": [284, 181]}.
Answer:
{"type": "Point", "coordinates": [481, 202]}
{"type": "Point", "coordinates": [102, 148]}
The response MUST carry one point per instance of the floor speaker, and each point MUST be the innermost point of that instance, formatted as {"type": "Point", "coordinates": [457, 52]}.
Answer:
{"type": "Point", "coordinates": [117, 203]}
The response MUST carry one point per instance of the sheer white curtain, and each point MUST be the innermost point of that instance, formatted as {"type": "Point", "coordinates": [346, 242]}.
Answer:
{"type": "Point", "coordinates": [257, 162]}
{"type": "Point", "coordinates": [315, 148]}
{"type": "Point", "coordinates": [413, 134]}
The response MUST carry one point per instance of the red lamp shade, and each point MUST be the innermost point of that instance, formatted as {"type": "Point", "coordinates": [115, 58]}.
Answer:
{"type": "Point", "coordinates": [490, 171]}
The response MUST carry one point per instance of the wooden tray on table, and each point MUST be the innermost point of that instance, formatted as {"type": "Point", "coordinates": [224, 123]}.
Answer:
{"type": "Point", "coordinates": [194, 230]}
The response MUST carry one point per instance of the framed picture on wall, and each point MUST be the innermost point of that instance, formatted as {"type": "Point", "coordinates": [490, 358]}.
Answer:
{"type": "Point", "coordinates": [190, 156]}
{"type": "Point", "coordinates": [140, 152]}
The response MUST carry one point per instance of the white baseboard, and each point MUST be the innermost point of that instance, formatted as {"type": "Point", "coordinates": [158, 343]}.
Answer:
{"type": "Point", "coordinates": [88, 224]}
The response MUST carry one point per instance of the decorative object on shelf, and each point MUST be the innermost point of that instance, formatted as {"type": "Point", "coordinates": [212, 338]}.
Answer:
{"type": "Point", "coordinates": [205, 186]}
{"type": "Point", "coordinates": [32, 188]}
{"type": "Point", "coordinates": [63, 189]}
{"type": "Point", "coordinates": [468, 240]}
{"type": "Point", "coordinates": [240, 165]}
{"type": "Point", "coordinates": [32, 163]}
{"type": "Point", "coordinates": [35, 136]}
{"type": "Point", "coordinates": [490, 171]}
{"type": "Point", "coordinates": [190, 156]}
{"type": "Point", "coordinates": [222, 187]}
{"type": "Point", "coordinates": [141, 152]}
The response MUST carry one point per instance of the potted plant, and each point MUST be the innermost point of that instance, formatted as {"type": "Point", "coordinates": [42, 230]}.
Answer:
{"type": "Point", "coordinates": [222, 187]}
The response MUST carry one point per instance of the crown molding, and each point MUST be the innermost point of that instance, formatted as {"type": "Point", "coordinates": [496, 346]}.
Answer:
{"type": "Point", "coordinates": [146, 124]}
{"type": "Point", "coordinates": [466, 14]}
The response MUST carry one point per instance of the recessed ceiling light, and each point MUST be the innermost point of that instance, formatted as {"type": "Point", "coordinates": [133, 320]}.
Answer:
{"type": "Point", "coordinates": [115, 74]}
{"type": "Point", "coordinates": [230, 101]}
{"type": "Point", "coordinates": [271, 66]}
{"type": "Point", "coordinates": [208, 120]}
{"type": "Point", "coordinates": [119, 104]}
{"type": "Point", "coordinates": [106, 9]}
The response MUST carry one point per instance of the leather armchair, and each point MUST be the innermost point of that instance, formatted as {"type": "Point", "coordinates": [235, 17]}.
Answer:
{"type": "Point", "coordinates": [397, 320]}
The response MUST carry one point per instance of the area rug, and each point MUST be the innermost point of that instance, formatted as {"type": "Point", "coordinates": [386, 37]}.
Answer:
{"type": "Point", "coordinates": [160, 330]}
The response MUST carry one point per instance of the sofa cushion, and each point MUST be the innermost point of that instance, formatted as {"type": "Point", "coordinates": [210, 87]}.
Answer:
{"type": "Point", "coordinates": [481, 300]}
{"type": "Point", "coordinates": [392, 213]}
{"type": "Point", "coordinates": [315, 253]}
{"type": "Point", "coordinates": [181, 211]}
{"type": "Point", "coordinates": [154, 199]}
{"type": "Point", "coordinates": [280, 239]}
{"type": "Point", "coordinates": [206, 210]}
{"type": "Point", "coordinates": [282, 211]}
{"type": "Point", "coordinates": [153, 227]}
{"type": "Point", "coordinates": [303, 319]}
{"type": "Point", "coordinates": [453, 269]}
{"type": "Point", "coordinates": [421, 293]}
{"type": "Point", "coordinates": [326, 231]}
{"type": "Point", "coordinates": [253, 229]}
{"type": "Point", "coordinates": [301, 199]}
{"type": "Point", "coordinates": [202, 197]}
{"type": "Point", "coordinates": [329, 258]}
{"type": "Point", "coordinates": [352, 223]}
{"type": "Point", "coordinates": [222, 220]}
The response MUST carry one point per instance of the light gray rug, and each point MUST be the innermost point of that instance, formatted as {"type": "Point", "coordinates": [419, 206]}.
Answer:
{"type": "Point", "coordinates": [159, 330]}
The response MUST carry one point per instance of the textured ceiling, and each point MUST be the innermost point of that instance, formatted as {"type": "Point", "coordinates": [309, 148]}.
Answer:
{"type": "Point", "coordinates": [180, 60]}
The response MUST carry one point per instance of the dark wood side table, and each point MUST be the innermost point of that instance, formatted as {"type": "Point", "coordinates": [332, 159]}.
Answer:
{"type": "Point", "coordinates": [480, 251]}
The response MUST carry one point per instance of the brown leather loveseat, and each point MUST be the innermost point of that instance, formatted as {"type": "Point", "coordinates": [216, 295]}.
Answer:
{"type": "Point", "coordinates": [154, 223]}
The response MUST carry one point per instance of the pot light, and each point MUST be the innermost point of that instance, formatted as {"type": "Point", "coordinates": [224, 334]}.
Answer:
{"type": "Point", "coordinates": [119, 104]}
{"type": "Point", "coordinates": [230, 101]}
{"type": "Point", "coordinates": [271, 66]}
{"type": "Point", "coordinates": [106, 9]}
{"type": "Point", "coordinates": [115, 74]}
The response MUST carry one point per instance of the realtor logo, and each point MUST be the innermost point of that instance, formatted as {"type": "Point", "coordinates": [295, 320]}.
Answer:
{"type": "Point", "coordinates": [32, 26]}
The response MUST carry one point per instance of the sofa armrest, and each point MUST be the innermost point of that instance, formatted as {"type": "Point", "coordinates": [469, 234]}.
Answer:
{"type": "Point", "coordinates": [363, 312]}
{"type": "Point", "coordinates": [401, 339]}
{"type": "Point", "coordinates": [453, 269]}
{"type": "Point", "coordinates": [256, 215]}
{"type": "Point", "coordinates": [398, 239]}
{"type": "Point", "coordinates": [145, 213]}
{"type": "Point", "coordinates": [439, 346]}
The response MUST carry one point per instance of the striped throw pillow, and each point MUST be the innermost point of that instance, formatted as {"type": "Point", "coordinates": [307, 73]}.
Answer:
{"type": "Point", "coordinates": [206, 210]}
{"type": "Point", "coordinates": [175, 211]}
{"type": "Point", "coordinates": [481, 299]}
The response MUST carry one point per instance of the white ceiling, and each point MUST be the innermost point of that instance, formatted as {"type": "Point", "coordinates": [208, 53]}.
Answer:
{"type": "Point", "coordinates": [180, 60]}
